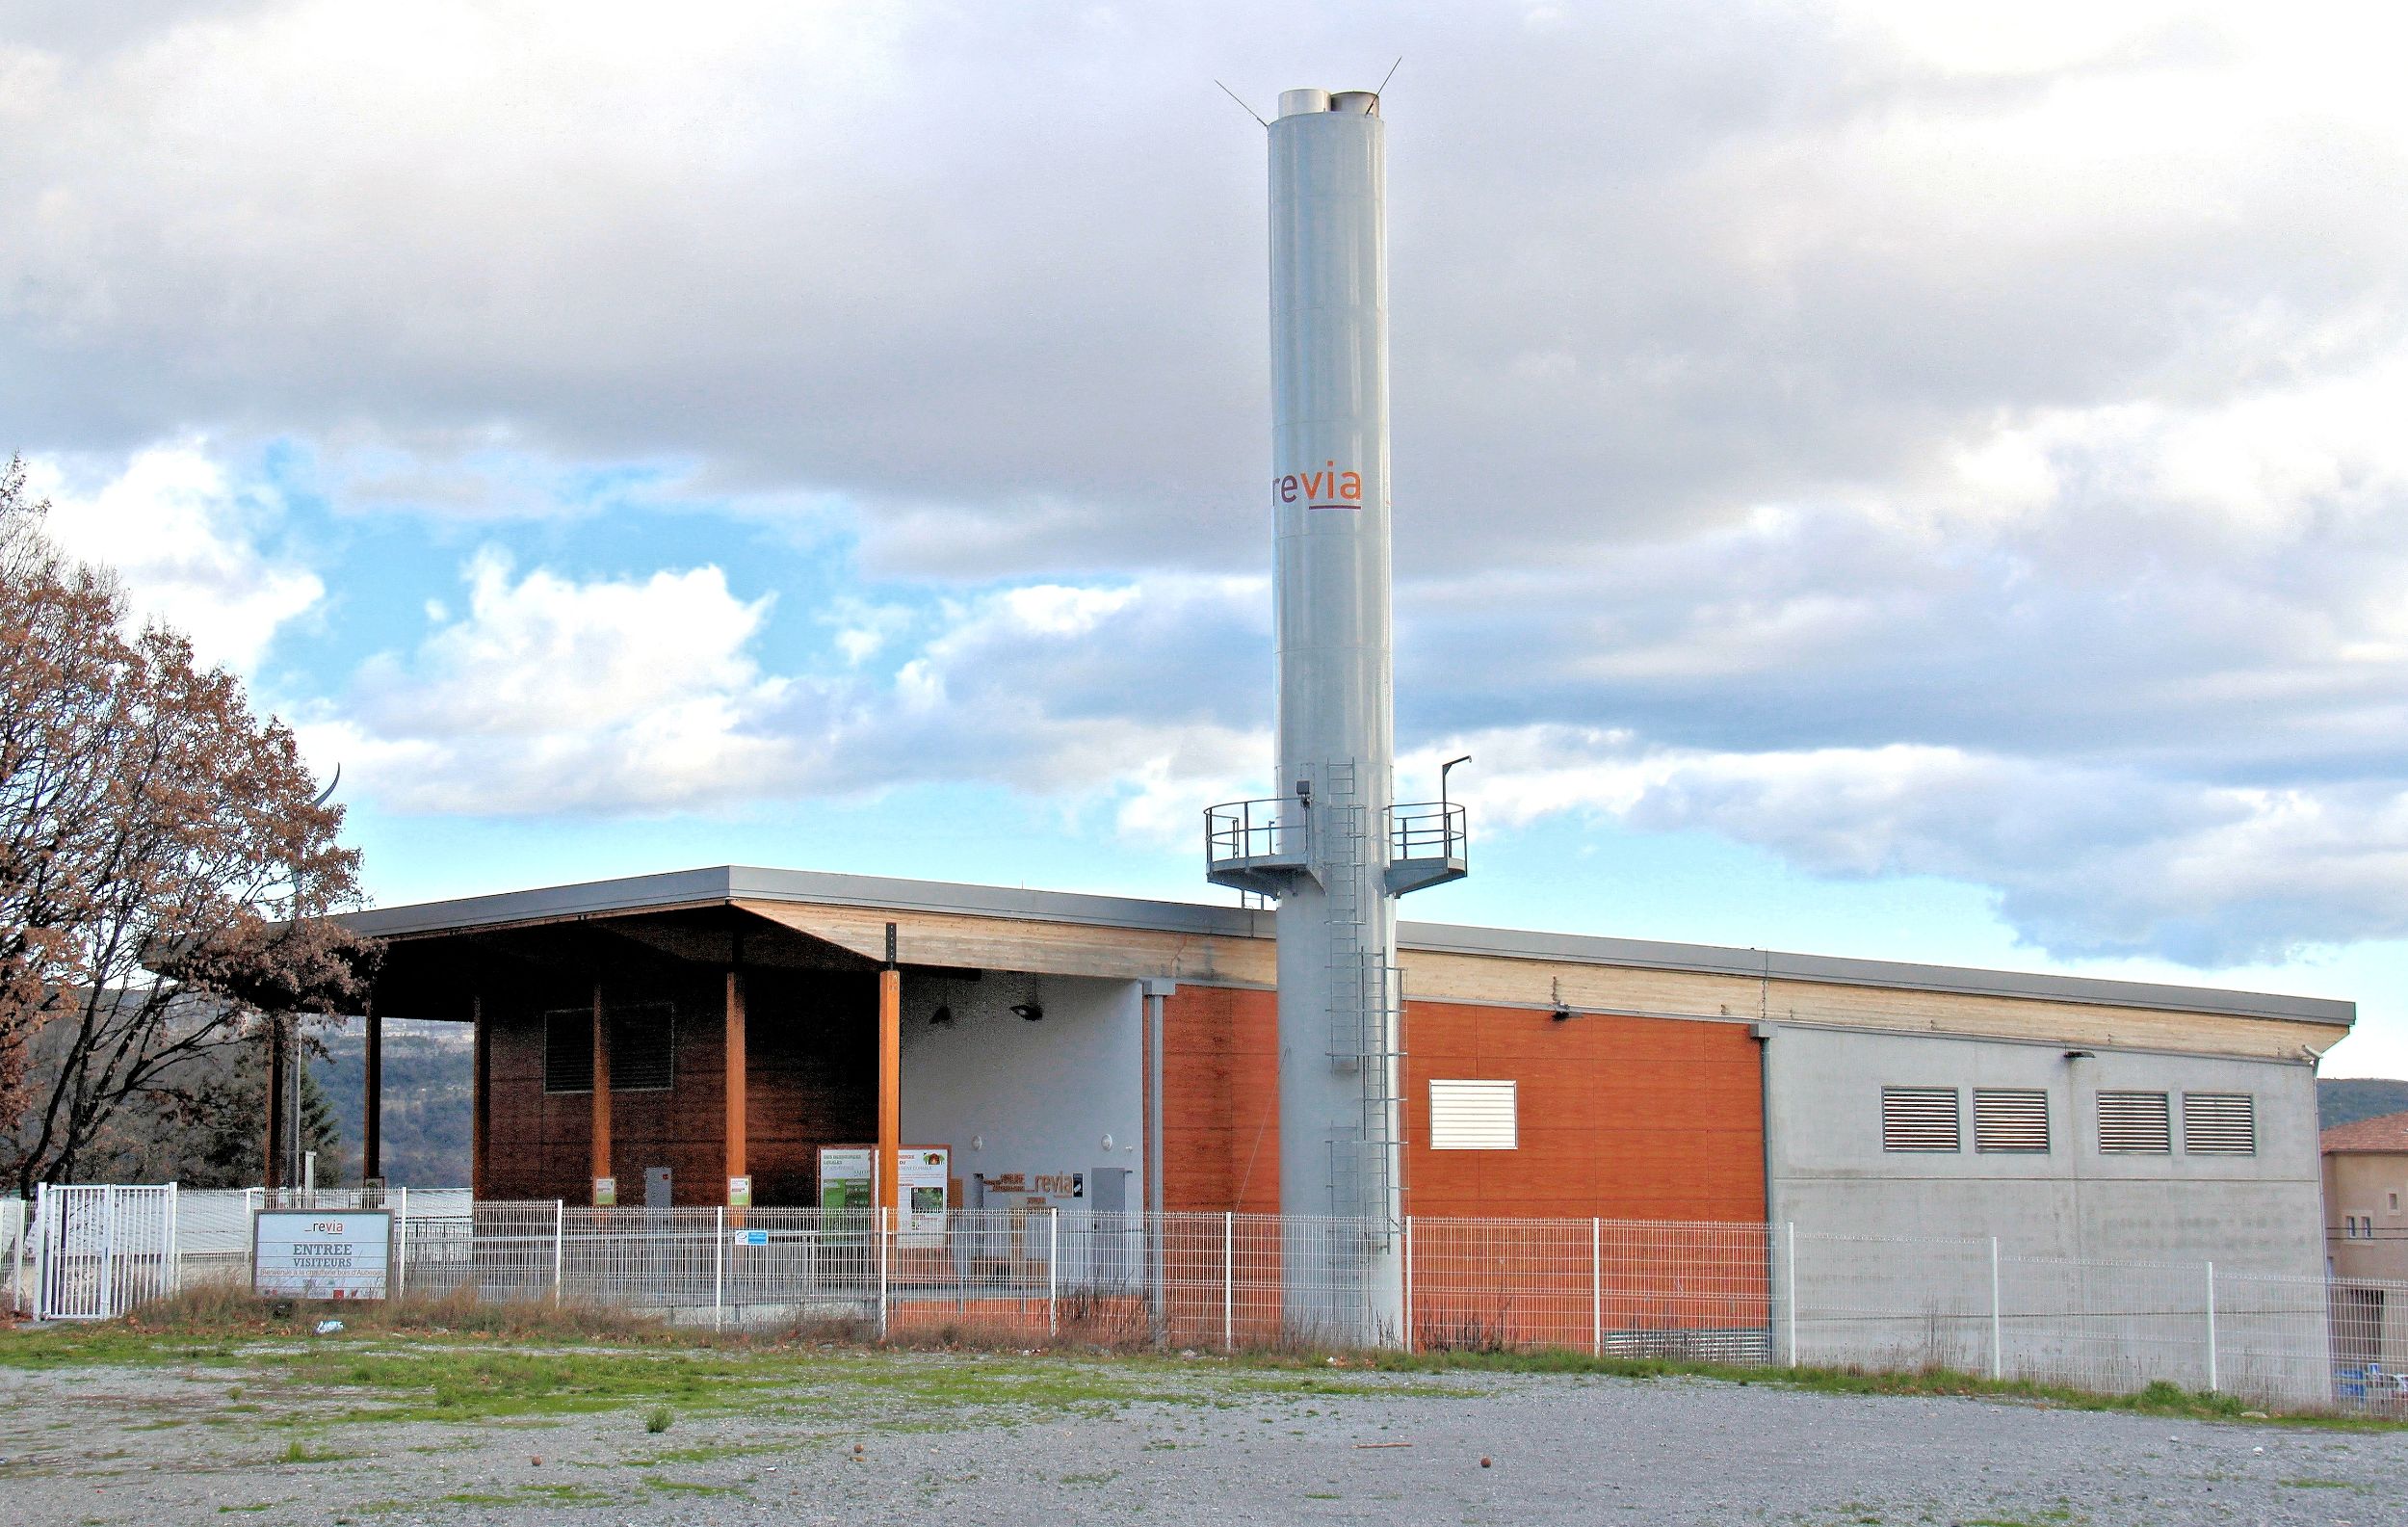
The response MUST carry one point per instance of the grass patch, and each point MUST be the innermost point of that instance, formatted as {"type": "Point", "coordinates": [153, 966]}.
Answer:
{"type": "Point", "coordinates": [431, 1382]}
{"type": "Point", "coordinates": [457, 1359]}
{"type": "Point", "coordinates": [2159, 1399]}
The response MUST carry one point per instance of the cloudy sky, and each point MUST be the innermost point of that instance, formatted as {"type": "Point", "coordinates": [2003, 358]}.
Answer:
{"type": "Point", "coordinates": [1884, 478]}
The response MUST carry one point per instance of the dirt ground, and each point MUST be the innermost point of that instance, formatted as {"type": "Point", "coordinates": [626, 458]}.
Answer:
{"type": "Point", "coordinates": [277, 1435]}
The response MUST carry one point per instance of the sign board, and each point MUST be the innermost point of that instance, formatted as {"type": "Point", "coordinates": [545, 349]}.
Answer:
{"type": "Point", "coordinates": [752, 1237]}
{"type": "Point", "coordinates": [739, 1193]}
{"type": "Point", "coordinates": [321, 1253]}
{"type": "Point", "coordinates": [605, 1193]}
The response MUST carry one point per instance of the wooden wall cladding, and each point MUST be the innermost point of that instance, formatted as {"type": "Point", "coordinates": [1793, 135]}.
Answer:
{"type": "Point", "coordinates": [1640, 1119]}
{"type": "Point", "coordinates": [811, 1081]}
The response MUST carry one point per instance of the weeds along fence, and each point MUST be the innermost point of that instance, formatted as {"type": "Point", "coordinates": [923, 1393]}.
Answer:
{"type": "Point", "coordinates": [1741, 1294]}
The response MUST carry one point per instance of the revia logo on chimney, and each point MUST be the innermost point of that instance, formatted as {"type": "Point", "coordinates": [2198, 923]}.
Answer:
{"type": "Point", "coordinates": [1327, 488]}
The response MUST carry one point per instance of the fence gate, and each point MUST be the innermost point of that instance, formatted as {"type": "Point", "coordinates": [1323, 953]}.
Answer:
{"type": "Point", "coordinates": [102, 1249]}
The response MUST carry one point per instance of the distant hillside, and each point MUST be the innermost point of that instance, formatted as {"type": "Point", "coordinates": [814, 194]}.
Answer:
{"type": "Point", "coordinates": [427, 1089]}
{"type": "Point", "coordinates": [2347, 1099]}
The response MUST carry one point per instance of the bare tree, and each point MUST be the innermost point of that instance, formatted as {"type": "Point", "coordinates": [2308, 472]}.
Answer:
{"type": "Point", "coordinates": [167, 869]}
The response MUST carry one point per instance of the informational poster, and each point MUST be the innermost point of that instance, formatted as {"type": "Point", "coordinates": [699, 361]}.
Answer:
{"type": "Point", "coordinates": [321, 1253]}
{"type": "Point", "coordinates": [849, 1181]}
{"type": "Point", "coordinates": [739, 1193]}
{"type": "Point", "coordinates": [848, 1177]}
{"type": "Point", "coordinates": [924, 1191]}
{"type": "Point", "coordinates": [606, 1193]}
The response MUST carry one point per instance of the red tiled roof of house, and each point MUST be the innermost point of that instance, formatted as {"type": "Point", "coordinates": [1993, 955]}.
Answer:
{"type": "Point", "coordinates": [2384, 1132]}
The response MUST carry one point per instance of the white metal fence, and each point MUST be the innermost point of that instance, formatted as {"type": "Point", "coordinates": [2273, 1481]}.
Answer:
{"type": "Point", "coordinates": [1730, 1293]}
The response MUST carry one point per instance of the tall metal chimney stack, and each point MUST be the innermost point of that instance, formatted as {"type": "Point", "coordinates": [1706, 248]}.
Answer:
{"type": "Point", "coordinates": [1333, 847]}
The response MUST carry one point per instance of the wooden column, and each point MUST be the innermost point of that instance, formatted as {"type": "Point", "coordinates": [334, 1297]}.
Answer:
{"type": "Point", "coordinates": [271, 1162]}
{"type": "Point", "coordinates": [601, 1162]}
{"type": "Point", "coordinates": [735, 1107]}
{"type": "Point", "coordinates": [889, 1081]}
{"type": "Point", "coordinates": [372, 1106]}
{"type": "Point", "coordinates": [480, 1095]}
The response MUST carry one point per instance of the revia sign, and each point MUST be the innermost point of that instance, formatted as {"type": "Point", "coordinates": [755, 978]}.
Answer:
{"type": "Point", "coordinates": [322, 1254]}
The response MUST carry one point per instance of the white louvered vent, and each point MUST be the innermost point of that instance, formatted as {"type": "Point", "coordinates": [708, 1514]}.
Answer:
{"type": "Point", "coordinates": [1473, 1116]}
{"type": "Point", "coordinates": [2135, 1124]}
{"type": "Point", "coordinates": [2219, 1124]}
{"type": "Point", "coordinates": [568, 1050]}
{"type": "Point", "coordinates": [1919, 1119]}
{"type": "Point", "coordinates": [2011, 1121]}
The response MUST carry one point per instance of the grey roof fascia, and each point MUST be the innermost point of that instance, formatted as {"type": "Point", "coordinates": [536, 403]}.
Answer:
{"type": "Point", "coordinates": [745, 882]}
{"type": "Point", "coordinates": [1840, 970]}
{"type": "Point", "coordinates": [732, 882]}
{"type": "Point", "coordinates": [593, 898]}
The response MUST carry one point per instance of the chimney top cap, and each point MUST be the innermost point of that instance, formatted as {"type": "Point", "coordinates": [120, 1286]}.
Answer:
{"type": "Point", "coordinates": [1307, 103]}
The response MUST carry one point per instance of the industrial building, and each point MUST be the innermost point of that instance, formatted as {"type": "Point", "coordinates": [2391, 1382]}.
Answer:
{"type": "Point", "coordinates": [687, 1029]}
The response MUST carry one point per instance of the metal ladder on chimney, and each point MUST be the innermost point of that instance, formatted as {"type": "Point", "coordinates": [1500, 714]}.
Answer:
{"type": "Point", "coordinates": [1364, 1032]}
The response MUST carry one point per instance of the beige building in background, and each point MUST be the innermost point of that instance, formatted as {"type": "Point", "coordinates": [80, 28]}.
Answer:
{"type": "Point", "coordinates": [2365, 1215]}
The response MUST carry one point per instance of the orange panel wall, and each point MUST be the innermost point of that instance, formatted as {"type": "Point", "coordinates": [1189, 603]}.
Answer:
{"type": "Point", "coordinates": [1637, 1118]}
{"type": "Point", "coordinates": [1220, 1101]}
{"type": "Point", "coordinates": [1627, 1118]}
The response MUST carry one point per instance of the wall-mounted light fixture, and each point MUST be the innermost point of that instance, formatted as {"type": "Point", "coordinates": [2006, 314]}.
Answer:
{"type": "Point", "coordinates": [1560, 1015]}
{"type": "Point", "coordinates": [1028, 1011]}
{"type": "Point", "coordinates": [942, 1017]}
{"type": "Point", "coordinates": [2082, 1055]}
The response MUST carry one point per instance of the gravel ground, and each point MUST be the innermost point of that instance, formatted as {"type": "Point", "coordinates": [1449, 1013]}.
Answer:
{"type": "Point", "coordinates": [1198, 1442]}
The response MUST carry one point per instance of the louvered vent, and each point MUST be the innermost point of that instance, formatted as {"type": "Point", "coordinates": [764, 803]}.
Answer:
{"type": "Point", "coordinates": [2011, 1121]}
{"type": "Point", "coordinates": [568, 1050]}
{"type": "Point", "coordinates": [1919, 1119]}
{"type": "Point", "coordinates": [644, 1047]}
{"type": "Point", "coordinates": [2135, 1124]}
{"type": "Point", "coordinates": [1473, 1116]}
{"type": "Point", "coordinates": [2219, 1124]}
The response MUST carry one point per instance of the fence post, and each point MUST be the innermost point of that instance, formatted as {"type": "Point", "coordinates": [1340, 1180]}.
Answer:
{"type": "Point", "coordinates": [718, 1270]}
{"type": "Point", "coordinates": [560, 1243]}
{"type": "Point", "coordinates": [881, 1272]}
{"type": "Point", "coordinates": [172, 1271]}
{"type": "Point", "coordinates": [1408, 1282]}
{"type": "Point", "coordinates": [1998, 1357]}
{"type": "Point", "coordinates": [108, 1251]}
{"type": "Point", "coordinates": [42, 1254]}
{"type": "Point", "coordinates": [2213, 1384]}
{"type": "Point", "coordinates": [1789, 1300]}
{"type": "Point", "coordinates": [1229, 1282]}
{"type": "Point", "coordinates": [401, 1241]}
{"type": "Point", "coordinates": [1053, 1273]}
{"type": "Point", "coordinates": [1597, 1285]}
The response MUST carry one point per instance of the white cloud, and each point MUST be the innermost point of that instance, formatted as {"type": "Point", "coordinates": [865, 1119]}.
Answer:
{"type": "Point", "coordinates": [549, 695]}
{"type": "Point", "coordinates": [2083, 862]}
{"type": "Point", "coordinates": [186, 541]}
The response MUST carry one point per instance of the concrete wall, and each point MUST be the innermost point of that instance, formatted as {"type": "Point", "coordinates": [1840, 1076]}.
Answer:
{"type": "Point", "coordinates": [2261, 1213]}
{"type": "Point", "coordinates": [2061, 1220]}
{"type": "Point", "coordinates": [1014, 1096]}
